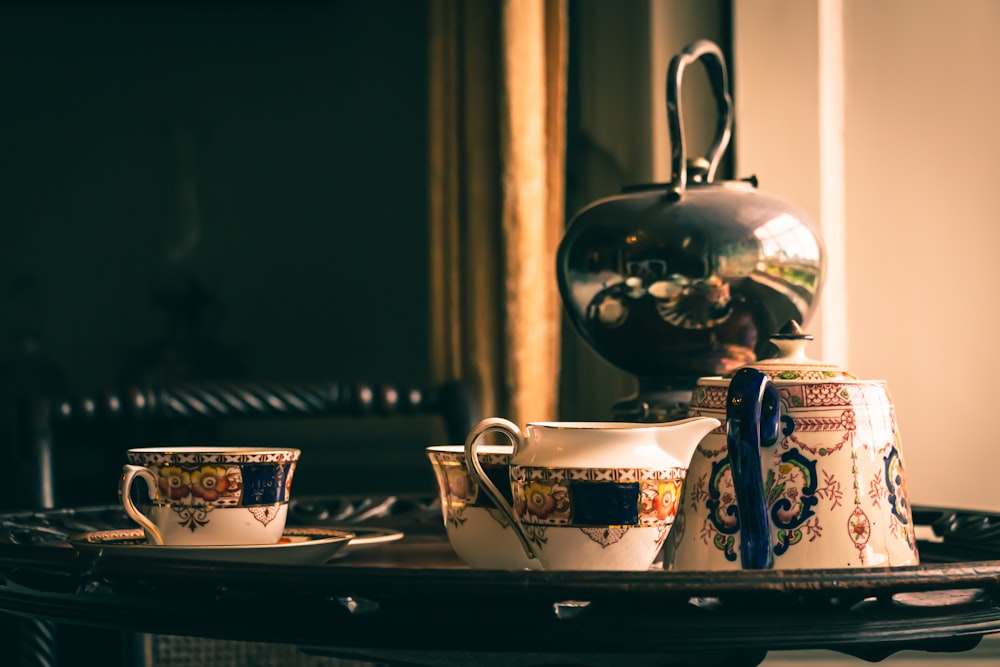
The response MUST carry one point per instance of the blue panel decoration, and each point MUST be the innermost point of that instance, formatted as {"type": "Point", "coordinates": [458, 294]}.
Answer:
{"type": "Point", "coordinates": [261, 486]}
{"type": "Point", "coordinates": [604, 503]}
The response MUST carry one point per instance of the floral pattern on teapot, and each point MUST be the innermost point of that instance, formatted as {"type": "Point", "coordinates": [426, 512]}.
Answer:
{"type": "Point", "coordinates": [814, 487]}
{"type": "Point", "coordinates": [791, 495]}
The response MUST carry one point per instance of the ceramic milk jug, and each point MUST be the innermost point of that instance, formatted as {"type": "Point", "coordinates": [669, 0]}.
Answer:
{"type": "Point", "coordinates": [806, 471]}
{"type": "Point", "coordinates": [591, 495]}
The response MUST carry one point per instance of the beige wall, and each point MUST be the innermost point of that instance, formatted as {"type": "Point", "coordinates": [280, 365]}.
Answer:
{"type": "Point", "coordinates": [919, 228]}
{"type": "Point", "coordinates": [905, 201]}
{"type": "Point", "coordinates": [922, 146]}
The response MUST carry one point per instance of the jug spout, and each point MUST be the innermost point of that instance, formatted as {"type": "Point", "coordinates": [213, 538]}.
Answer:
{"type": "Point", "coordinates": [679, 439]}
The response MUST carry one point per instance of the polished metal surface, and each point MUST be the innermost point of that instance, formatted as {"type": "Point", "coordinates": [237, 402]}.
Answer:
{"type": "Point", "coordinates": [675, 281]}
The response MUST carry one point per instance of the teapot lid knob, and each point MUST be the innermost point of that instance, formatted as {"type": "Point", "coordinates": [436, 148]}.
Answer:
{"type": "Point", "coordinates": [791, 331]}
{"type": "Point", "coordinates": [792, 363]}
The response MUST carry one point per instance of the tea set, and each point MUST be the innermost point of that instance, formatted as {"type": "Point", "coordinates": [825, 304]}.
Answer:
{"type": "Point", "coordinates": [731, 456]}
{"type": "Point", "coordinates": [785, 463]}
{"type": "Point", "coordinates": [739, 452]}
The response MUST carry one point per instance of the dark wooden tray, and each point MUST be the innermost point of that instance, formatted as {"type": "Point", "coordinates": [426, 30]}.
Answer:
{"type": "Point", "coordinates": [413, 601]}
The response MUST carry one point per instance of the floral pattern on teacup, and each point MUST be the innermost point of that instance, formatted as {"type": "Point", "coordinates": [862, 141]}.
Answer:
{"type": "Point", "coordinates": [459, 490]}
{"type": "Point", "coordinates": [192, 516]}
{"type": "Point", "coordinates": [201, 484]}
{"type": "Point", "coordinates": [194, 489]}
{"type": "Point", "coordinates": [210, 483]}
{"type": "Point", "coordinates": [460, 486]}
{"type": "Point", "coordinates": [174, 482]}
{"type": "Point", "coordinates": [224, 456]}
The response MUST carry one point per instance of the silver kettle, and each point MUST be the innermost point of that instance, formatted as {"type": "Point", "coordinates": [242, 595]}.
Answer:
{"type": "Point", "coordinates": [672, 282]}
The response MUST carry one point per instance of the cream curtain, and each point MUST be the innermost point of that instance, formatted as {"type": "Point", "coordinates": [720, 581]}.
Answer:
{"type": "Point", "coordinates": [497, 164]}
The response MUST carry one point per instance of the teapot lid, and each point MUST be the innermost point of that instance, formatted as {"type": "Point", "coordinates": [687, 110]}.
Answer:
{"type": "Point", "coordinates": [792, 363]}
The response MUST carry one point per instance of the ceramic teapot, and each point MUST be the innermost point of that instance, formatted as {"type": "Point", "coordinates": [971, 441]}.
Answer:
{"type": "Point", "coordinates": [807, 471]}
{"type": "Point", "coordinates": [591, 495]}
{"type": "Point", "coordinates": [674, 281]}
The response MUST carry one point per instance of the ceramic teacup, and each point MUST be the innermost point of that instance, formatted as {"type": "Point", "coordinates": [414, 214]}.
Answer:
{"type": "Point", "coordinates": [479, 532]}
{"type": "Point", "coordinates": [591, 495]}
{"type": "Point", "coordinates": [209, 496]}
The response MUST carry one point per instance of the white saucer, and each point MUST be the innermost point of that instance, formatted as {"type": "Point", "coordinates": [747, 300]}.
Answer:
{"type": "Point", "coordinates": [368, 536]}
{"type": "Point", "coordinates": [298, 546]}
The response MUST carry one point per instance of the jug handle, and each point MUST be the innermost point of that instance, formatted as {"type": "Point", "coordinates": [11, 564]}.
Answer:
{"type": "Point", "coordinates": [475, 469]}
{"type": "Point", "coordinates": [715, 65]}
{"type": "Point", "coordinates": [752, 422]}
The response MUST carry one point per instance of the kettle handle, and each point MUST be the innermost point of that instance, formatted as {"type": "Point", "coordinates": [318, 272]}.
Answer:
{"type": "Point", "coordinates": [715, 65]}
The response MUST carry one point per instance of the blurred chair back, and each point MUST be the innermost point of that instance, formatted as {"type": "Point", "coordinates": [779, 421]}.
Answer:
{"type": "Point", "coordinates": [71, 450]}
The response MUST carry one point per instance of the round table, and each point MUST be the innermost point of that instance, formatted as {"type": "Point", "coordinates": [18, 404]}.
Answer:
{"type": "Point", "coordinates": [412, 601]}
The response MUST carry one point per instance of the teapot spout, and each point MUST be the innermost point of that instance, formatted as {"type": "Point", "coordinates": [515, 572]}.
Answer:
{"type": "Point", "coordinates": [679, 439]}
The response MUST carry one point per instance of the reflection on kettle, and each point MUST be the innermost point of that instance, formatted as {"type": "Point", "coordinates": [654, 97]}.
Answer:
{"type": "Point", "coordinates": [692, 304]}
{"type": "Point", "coordinates": [678, 300]}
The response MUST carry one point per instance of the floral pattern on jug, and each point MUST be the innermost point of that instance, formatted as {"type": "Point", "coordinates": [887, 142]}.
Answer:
{"type": "Point", "coordinates": [834, 482]}
{"type": "Point", "coordinates": [602, 502]}
{"type": "Point", "coordinates": [590, 495]}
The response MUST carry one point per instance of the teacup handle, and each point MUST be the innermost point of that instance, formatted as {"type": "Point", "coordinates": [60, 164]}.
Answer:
{"type": "Point", "coordinates": [475, 469]}
{"type": "Point", "coordinates": [129, 473]}
{"type": "Point", "coordinates": [752, 422]}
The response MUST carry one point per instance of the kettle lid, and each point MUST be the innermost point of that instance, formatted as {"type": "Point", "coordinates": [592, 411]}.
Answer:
{"type": "Point", "coordinates": [792, 363]}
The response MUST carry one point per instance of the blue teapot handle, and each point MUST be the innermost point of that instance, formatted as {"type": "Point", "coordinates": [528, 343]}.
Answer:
{"type": "Point", "coordinates": [752, 422]}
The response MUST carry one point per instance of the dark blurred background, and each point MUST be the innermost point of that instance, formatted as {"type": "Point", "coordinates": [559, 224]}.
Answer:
{"type": "Point", "coordinates": [213, 190]}
{"type": "Point", "coordinates": [256, 174]}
